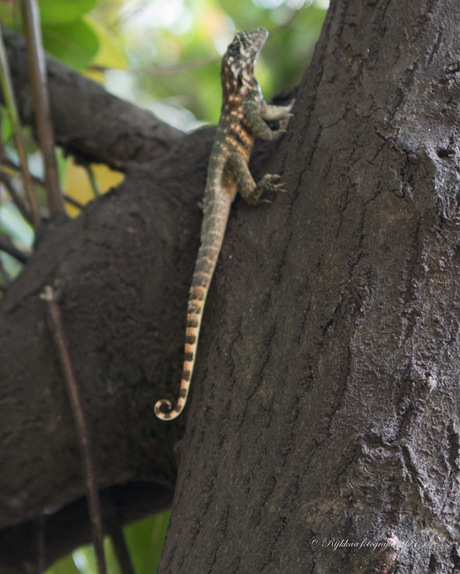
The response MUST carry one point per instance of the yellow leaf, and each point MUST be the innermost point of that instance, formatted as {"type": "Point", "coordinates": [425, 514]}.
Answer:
{"type": "Point", "coordinates": [111, 53]}
{"type": "Point", "coordinates": [78, 185]}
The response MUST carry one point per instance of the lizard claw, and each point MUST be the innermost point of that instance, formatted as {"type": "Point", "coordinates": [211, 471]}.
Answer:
{"type": "Point", "coordinates": [271, 183]}
{"type": "Point", "coordinates": [290, 105]}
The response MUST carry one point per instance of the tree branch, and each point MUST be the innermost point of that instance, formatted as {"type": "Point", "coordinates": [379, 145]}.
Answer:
{"type": "Point", "coordinates": [51, 297]}
{"type": "Point", "coordinates": [124, 266]}
{"type": "Point", "coordinates": [123, 133]}
{"type": "Point", "coordinates": [39, 81]}
{"type": "Point", "coordinates": [10, 101]}
{"type": "Point", "coordinates": [16, 198]}
{"type": "Point", "coordinates": [8, 246]}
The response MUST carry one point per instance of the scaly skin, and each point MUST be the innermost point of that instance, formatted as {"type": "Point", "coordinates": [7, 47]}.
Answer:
{"type": "Point", "coordinates": [241, 121]}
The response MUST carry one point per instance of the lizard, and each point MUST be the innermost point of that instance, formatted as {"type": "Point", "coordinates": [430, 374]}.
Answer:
{"type": "Point", "coordinates": [242, 119]}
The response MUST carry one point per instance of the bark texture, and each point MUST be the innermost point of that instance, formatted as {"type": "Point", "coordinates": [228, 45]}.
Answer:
{"type": "Point", "coordinates": [322, 431]}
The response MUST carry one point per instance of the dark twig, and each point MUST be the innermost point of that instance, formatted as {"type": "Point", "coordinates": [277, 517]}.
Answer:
{"type": "Point", "coordinates": [4, 275]}
{"type": "Point", "coordinates": [4, 176]}
{"type": "Point", "coordinates": [162, 70]}
{"type": "Point", "coordinates": [74, 202]}
{"type": "Point", "coordinates": [10, 101]}
{"type": "Point", "coordinates": [17, 199]}
{"type": "Point", "coordinates": [37, 67]}
{"type": "Point", "coordinates": [92, 180]}
{"type": "Point", "coordinates": [15, 168]}
{"type": "Point", "coordinates": [60, 341]}
{"type": "Point", "coordinates": [115, 531]}
{"type": "Point", "coordinates": [8, 246]}
{"type": "Point", "coordinates": [41, 550]}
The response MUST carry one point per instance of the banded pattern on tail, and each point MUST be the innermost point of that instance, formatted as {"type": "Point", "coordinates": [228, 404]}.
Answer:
{"type": "Point", "coordinates": [202, 276]}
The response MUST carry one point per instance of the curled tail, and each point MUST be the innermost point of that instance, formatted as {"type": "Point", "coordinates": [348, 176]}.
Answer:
{"type": "Point", "coordinates": [213, 234]}
{"type": "Point", "coordinates": [164, 409]}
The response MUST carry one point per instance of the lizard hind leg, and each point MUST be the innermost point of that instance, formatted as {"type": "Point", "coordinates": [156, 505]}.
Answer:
{"type": "Point", "coordinates": [245, 184]}
{"type": "Point", "coordinates": [270, 184]}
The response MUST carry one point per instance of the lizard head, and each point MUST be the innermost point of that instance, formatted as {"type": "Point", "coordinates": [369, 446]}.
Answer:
{"type": "Point", "coordinates": [237, 70]}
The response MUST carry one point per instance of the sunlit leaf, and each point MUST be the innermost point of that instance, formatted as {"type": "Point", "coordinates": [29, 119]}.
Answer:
{"type": "Point", "coordinates": [11, 265]}
{"type": "Point", "coordinates": [111, 53]}
{"type": "Point", "coordinates": [13, 225]}
{"type": "Point", "coordinates": [7, 129]}
{"type": "Point", "coordinates": [77, 184]}
{"type": "Point", "coordinates": [64, 566]}
{"type": "Point", "coordinates": [54, 12]}
{"type": "Point", "coordinates": [85, 559]}
{"type": "Point", "coordinates": [75, 44]}
{"type": "Point", "coordinates": [6, 13]}
{"type": "Point", "coordinates": [145, 542]}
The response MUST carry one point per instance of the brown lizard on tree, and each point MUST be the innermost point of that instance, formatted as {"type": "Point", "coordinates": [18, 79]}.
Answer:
{"type": "Point", "coordinates": [242, 119]}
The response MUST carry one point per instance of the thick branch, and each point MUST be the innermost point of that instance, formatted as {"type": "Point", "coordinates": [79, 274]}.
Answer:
{"type": "Point", "coordinates": [123, 133]}
{"type": "Point", "coordinates": [51, 296]}
{"type": "Point", "coordinates": [124, 267]}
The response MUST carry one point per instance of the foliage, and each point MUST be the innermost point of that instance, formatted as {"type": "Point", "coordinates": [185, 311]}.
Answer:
{"type": "Point", "coordinates": [163, 55]}
{"type": "Point", "coordinates": [144, 540]}
{"type": "Point", "coordinates": [181, 43]}
{"type": "Point", "coordinates": [65, 32]}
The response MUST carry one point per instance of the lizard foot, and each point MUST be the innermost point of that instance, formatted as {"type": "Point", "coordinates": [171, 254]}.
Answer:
{"type": "Point", "coordinates": [270, 185]}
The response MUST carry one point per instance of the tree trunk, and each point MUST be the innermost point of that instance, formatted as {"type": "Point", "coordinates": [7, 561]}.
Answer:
{"type": "Point", "coordinates": [322, 430]}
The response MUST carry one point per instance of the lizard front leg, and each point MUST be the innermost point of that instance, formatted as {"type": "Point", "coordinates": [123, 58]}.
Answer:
{"type": "Point", "coordinates": [271, 112]}
{"type": "Point", "coordinates": [253, 116]}
{"type": "Point", "coordinates": [238, 169]}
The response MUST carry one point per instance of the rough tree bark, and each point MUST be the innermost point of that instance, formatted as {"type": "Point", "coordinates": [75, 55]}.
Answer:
{"type": "Point", "coordinates": [322, 431]}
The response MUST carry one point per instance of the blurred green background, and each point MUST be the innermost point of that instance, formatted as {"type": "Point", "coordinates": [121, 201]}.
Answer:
{"type": "Point", "coordinates": [163, 55]}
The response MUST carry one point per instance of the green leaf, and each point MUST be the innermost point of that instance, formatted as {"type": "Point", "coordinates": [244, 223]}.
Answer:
{"type": "Point", "coordinates": [54, 12]}
{"type": "Point", "coordinates": [75, 44]}
{"type": "Point", "coordinates": [6, 14]}
{"type": "Point", "coordinates": [13, 224]}
{"type": "Point", "coordinates": [7, 129]}
{"type": "Point", "coordinates": [145, 541]}
{"type": "Point", "coordinates": [85, 560]}
{"type": "Point", "coordinates": [19, 231]}
{"type": "Point", "coordinates": [11, 265]}
{"type": "Point", "coordinates": [111, 52]}
{"type": "Point", "coordinates": [64, 566]}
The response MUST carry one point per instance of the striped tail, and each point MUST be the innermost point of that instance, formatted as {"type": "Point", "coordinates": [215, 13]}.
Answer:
{"type": "Point", "coordinates": [213, 231]}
